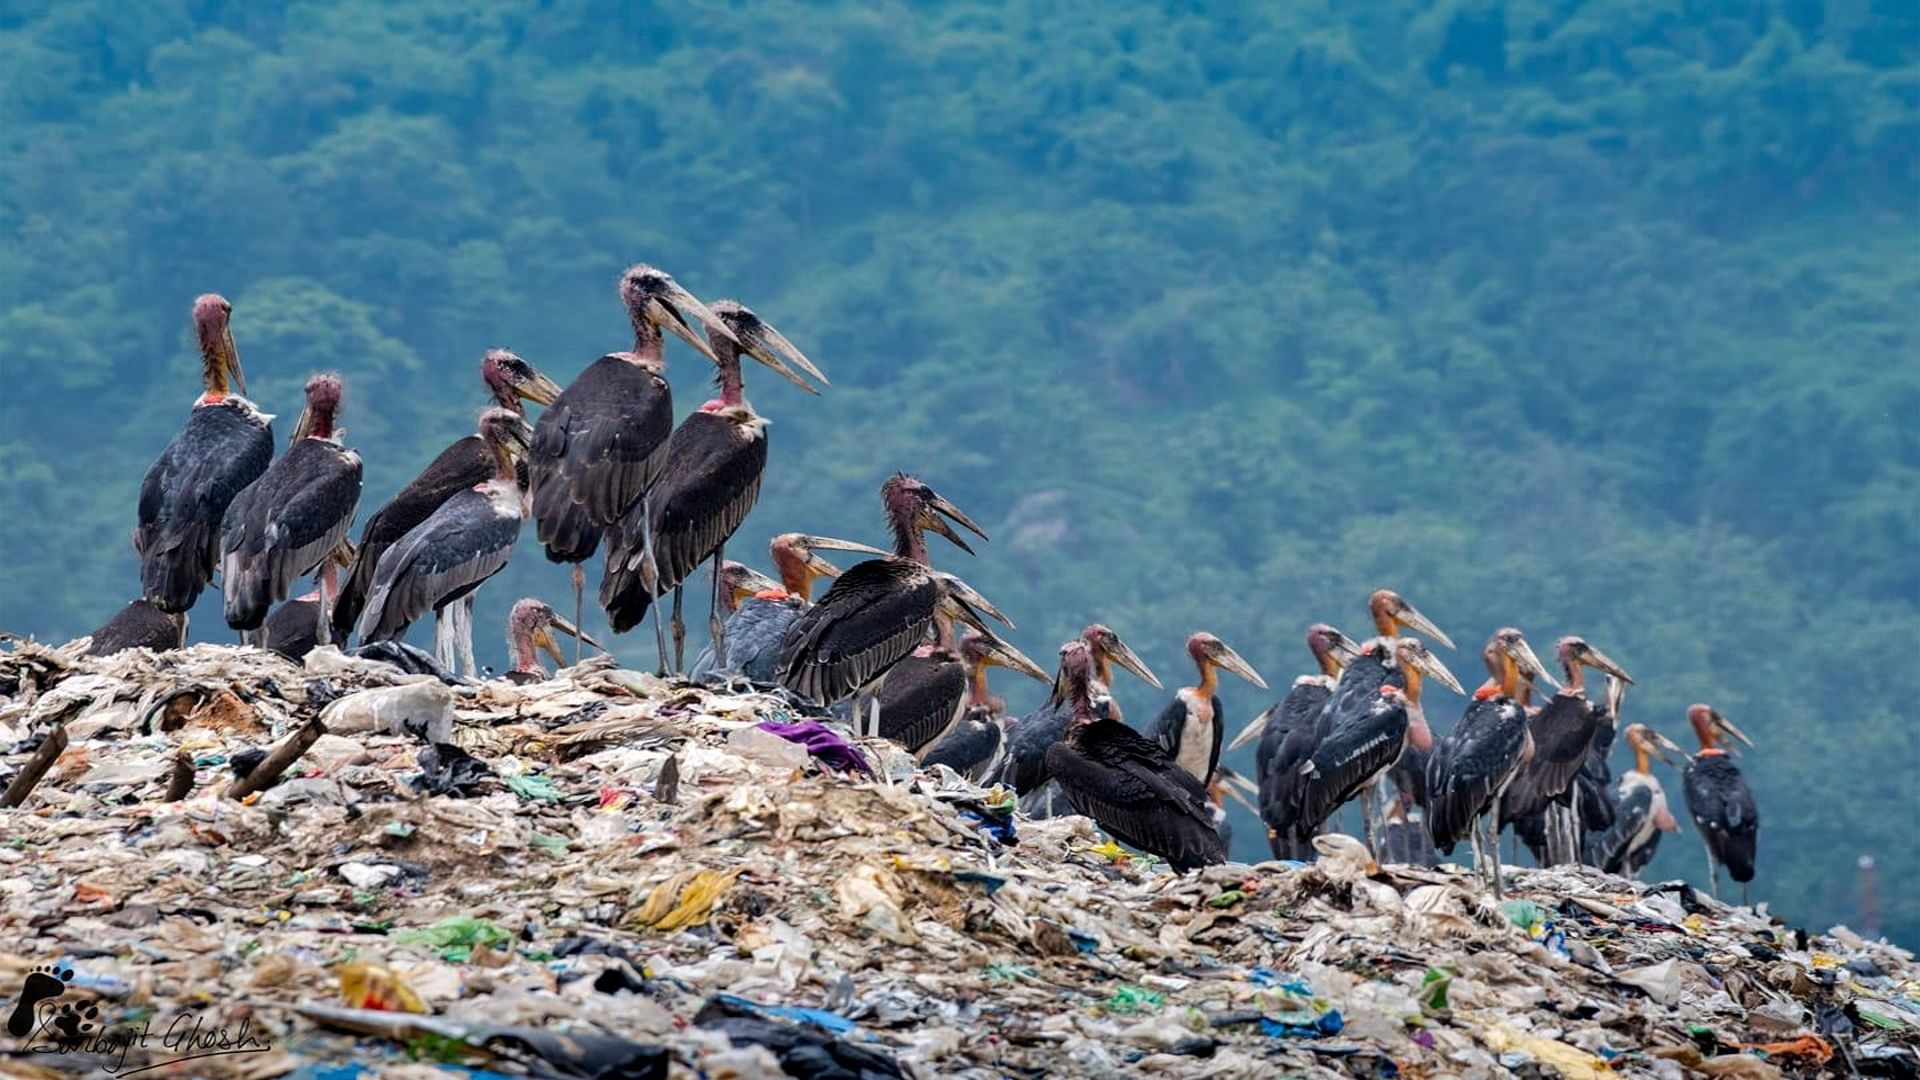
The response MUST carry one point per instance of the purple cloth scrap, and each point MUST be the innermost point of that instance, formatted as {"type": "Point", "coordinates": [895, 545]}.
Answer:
{"type": "Point", "coordinates": [822, 742]}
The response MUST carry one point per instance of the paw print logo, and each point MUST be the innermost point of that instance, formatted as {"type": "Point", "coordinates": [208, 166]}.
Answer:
{"type": "Point", "coordinates": [75, 1021]}
{"type": "Point", "coordinates": [43, 984]}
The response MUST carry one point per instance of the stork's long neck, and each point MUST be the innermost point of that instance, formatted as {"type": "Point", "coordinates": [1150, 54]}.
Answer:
{"type": "Point", "coordinates": [648, 343]}
{"type": "Point", "coordinates": [1102, 668]}
{"type": "Point", "coordinates": [502, 460]}
{"type": "Point", "coordinates": [1641, 764]}
{"type": "Point", "coordinates": [320, 426]}
{"type": "Point", "coordinates": [525, 658]}
{"type": "Point", "coordinates": [1209, 679]}
{"type": "Point", "coordinates": [908, 541]}
{"type": "Point", "coordinates": [977, 684]}
{"type": "Point", "coordinates": [1576, 677]}
{"type": "Point", "coordinates": [943, 633]}
{"type": "Point", "coordinates": [792, 568]}
{"type": "Point", "coordinates": [733, 388]}
{"type": "Point", "coordinates": [1329, 663]}
{"type": "Point", "coordinates": [213, 371]}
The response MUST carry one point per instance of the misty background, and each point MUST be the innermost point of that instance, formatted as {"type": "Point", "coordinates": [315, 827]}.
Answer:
{"type": "Point", "coordinates": [1586, 317]}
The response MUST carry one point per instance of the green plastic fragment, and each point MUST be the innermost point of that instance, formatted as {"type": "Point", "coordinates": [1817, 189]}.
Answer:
{"type": "Point", "coordinates": [1227, 899]}
{"type": "Point", "coordinates": [552, 845]}
{"type": "Point", "coordinates": [533, 788]}
{"type": "Point", "coordinates": [1433, 990]}
{"type": "Point", "coordinates": [458, 936]}
{"type": "Point", "coordinates": [1134, 999]}
{"type": "Point", "coordinates": [399, 828]}
{"type": "Point", "coordinates": [1524, 914]}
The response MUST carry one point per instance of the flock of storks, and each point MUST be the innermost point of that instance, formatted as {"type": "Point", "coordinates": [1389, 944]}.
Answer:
{"type": "Point", "coordinates": [895, 648]}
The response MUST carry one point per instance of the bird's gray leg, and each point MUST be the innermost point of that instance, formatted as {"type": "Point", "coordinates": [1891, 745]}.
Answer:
{"type": "Point", "coordinates": [1713, 875]}
{"type": "Point", "coordinates": [679, 630]}
{"type": "Point", "coordinates": [1479, 857]}
{"type": "Point", "coordinates": [1743, 894]}
{"type": "Point", "coordinates": [579, 593]}
{"type": "Point", "coordinates": [466, 637]}
{"type": "Point", "coordinates": [324, 635]}
{"type": "Point", "coordinates": [443, 638]}
{"type": "Point", "coordinates": [715, 628]}
{"type": "Point", "coordinates": [1493, 822]}
{"type": "Point", "coordinates": [1366, 814]}
{"type": "Point", "coordinates": [653, 585]}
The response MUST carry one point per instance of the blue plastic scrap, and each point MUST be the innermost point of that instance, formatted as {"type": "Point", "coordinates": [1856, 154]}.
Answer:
{"type": "Point", "coordinates": [1302, 1025]}
{"type": "Point", "coordinates": [820, 1018]}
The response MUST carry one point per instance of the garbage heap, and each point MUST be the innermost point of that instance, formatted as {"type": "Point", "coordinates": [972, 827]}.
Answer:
{"type": "Point", "coordinates": [611, 875]}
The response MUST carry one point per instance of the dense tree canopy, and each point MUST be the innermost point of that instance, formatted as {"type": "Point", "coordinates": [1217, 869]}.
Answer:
{"type": "Point", "coordinates": [1591, 317]}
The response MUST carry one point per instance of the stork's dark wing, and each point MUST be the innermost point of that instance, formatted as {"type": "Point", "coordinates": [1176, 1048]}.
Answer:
{"type": "Point", "coordinates": [1608, 850]}
{"type": "Point", "coordinates": [462, 544]}
{"type": "Point", "coordinates": [920, 699]}
{"type": "Point", "coordinates": [708, 485]}
{"type": "Point", "coordinates": [1722, 807]}
{"type": "Point", "coordinates": [1025, 767]}
{"type": "Point", "coordinates": [1353, 752]}
{"type": "Point", "coordinates": [139, 625]}
{"type": "Point", "coordinates": [875, 614]}
{"type": "Point", "coordinates": [283, 524]}
{"type": "Point", "coordinates": [1130, 787]}
{"type": "Point", "coordinates": [1164, 729]}
{"type": "Point", "coordinates": [1562, 736]}
{"type": "Point", "coordinates": [970, 748]}
{"type": "Point", "coordinates": [185, 497]}
{"type": "Point", "coordinates": [1471, 765]}
{"type": "Point", "coordinates": [293, 629]}
{"type": "Point", "coordinates": [754, 634]}
{"type": "Point", "coordinates": [1298, 709]}
{"type": "Point", "coordinates": [600, 445]}
{"type": "Point", "coordinates": [464, 464]}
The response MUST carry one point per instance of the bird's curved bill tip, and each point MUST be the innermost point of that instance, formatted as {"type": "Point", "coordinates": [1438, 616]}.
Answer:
{"type": "Point", "coordinates": [1727, 726]}
{"type": "Point", "coordinates": [942, 506]}
{"type": "Point", "coordinates": [1232, 661]}
{"type": "Point", "coordinates": [1123, 654]}
{"type": "Point", "coordinates": [1530, 664]}
{"type": "Point", "coordinates": [938, 524]}
{"type": "Point", "coordinates": [566, 627]}
{"type": "Point", "coordinates": [1431, 666]}
{"type": "Point", "coordinates": [1411, 618]}
{"type": "Point", "coordinates": [835, 544]}
{"type": "Point", "coordinates": [1013, 659]}
{"type": "Point", "coordinates": [540, 390]}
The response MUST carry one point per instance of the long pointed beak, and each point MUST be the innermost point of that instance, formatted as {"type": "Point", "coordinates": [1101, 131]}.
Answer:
{"type": "Point", "coordinates": [302, 427]}
{"type": "Point", "coordinates": [780, 342]}
{"type": "Point", "coordinates": [1005, 655]}
{"type": "Point", "coordinates": [540, 390]}
{"type": "Point", "coordinates": [1238, 787]}
{"type": "Point", "coordinates": [1604, 663]}
{"type": "Point", "coordinates": [234, 371]}
{"type": "Point", "coordinates": [1431, 667]}
{"type": "Point", "coordinates": [1121, 653]}
{"type": "Point", "coordinates": [970, 598]}
{"type": "Point", "coordinates": [936, 523]}
{"type": "Point", "coordinates": [1344, 647]}
{"type": "Point", "coordinates": [1252, 731]}
{"type": "Point", "coordinates": [1666, 749]}
{"type": "Point", "coordinates": [1616, 696]}
{"type": "Point", "coordinates": [665, 317]}
{"type": "Point", "coordinates": [546, 644]}
{"type": "Point", "coordinates": [1530, 665]}
{"type": "Point", "coordinates": [1226, 658]}
{"type": "Point", "coordinates": [759, 346]}
{"type": "Point", "coordinates": [754, 581]}
{"type": "Point", "coordinates": [832, 544]}
{"type": "Point", "coordinates": [566, 627]}
{"type": "Point", "coordinates": [1420, 624]}
{"type": "Point", "coordinates": [942, 506]}
{"type": "Point", "coordinates": [1727, 726]}
{"type": "Point", "coordinates": [518, 439]}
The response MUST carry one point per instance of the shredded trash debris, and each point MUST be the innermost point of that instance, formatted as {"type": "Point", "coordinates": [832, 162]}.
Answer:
{"type": "Point", "coordinates": [612, 875]}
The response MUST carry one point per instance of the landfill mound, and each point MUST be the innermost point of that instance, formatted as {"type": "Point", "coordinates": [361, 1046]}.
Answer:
{"type": "Point", "coordinates": [611, 875]}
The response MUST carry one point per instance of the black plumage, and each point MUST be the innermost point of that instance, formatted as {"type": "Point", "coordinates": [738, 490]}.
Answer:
{"type": "Point", "coordinates": [1473, 765]}
{"type": "Point", "coordinates": [449, 555]}
{"type": "Point", "coordinates": [1562, 736]}
{"type": "Point", "coordinates": [972, 747]}
{"type": "Point", "coordinates": [872, 618]}
{"type": "Point", "coordinates": [140, 625]}
{"type": "Point", "coordinates": [923, 696]}
{"type": "Point", "coordinates": [293, 629]}
{"type": "Point", "coordinates": [598, 447]}
{"type": "Point", "coordinates": [1304, 781]}
{"type": "Point", "coordinates": [1629, 844]}
{"type": "Point", "coordinates": [1723, 809]}
{"type": "Point", "coordinates": [224, 446]}
{"type": "Point", "coordinates": [1178, 722]}
{"type": "Point", "coordinates": [752, 639]}
{"type": "Point", "coordinates": [714, 464]}
{"type": "Point", "coordinates": [283, 524]}
{"type": "Point", "coordinates": [1129, 785]}
{"type": "Point", "coordinates": [461, 466]}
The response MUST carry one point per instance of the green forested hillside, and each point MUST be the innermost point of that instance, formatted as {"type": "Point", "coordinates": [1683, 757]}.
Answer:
{"type": "Point", "coordinates": [1590, 317]}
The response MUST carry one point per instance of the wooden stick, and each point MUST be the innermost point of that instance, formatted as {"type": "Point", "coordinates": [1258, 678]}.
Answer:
{"type": "Point", "coordinates": [51, 748]}
{"type": "Point", "coordinates": [180, 783]}
{"type": "Point", "coordinates": [279, 761]}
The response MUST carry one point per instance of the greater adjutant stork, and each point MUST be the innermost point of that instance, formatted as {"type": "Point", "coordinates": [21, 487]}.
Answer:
{"type": "Point", "coordinates": [293, 516]}
{"type": "Point", "coordinates": [1331, 651]}
{"type": "Point", "coordinates": [1563, 733]}
{"type": "Point", "coordinates": [925, 695]}
{"type": "Point", "coordinates": [226, 444]}
{"type": "Point", "coordinates": [530, 626]}
{"type": "Point", "coordinates": [750, 645]}
{"type": "Point", "coordinates": [715, 460]}
{"type": "Point", "coordinates": [1126, 783]}
{"type": "Point", "coordinates": [1189, 729]}
{"type": "Point", "coordinates": [974, 746]}
{"type": "Point", "coordinates": [1392, 614]}
{"type": "Point", "coordinates": [1720, 801]}
{"type": "Point", "coordinates": [1357, 737]}
{"type": "Point", "coordinates": [462, 465]}
{"type": "Point", "coordinates": [879, 611]}
{"type": "Point", "coordinates": [293, 629]}
{"type": "Point", "coordinates": [139, 625]}
{"type": "Point", "coordinates": [1025, 768]}
{"type": "Point", "coordinates": [459, 546]}
{"type": "Point", "coordinates": [603, 441]}
{"type": "Point", "coordinates": [1472, 767]}
{"type": "Point", "coordinates": [1640, 811]}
